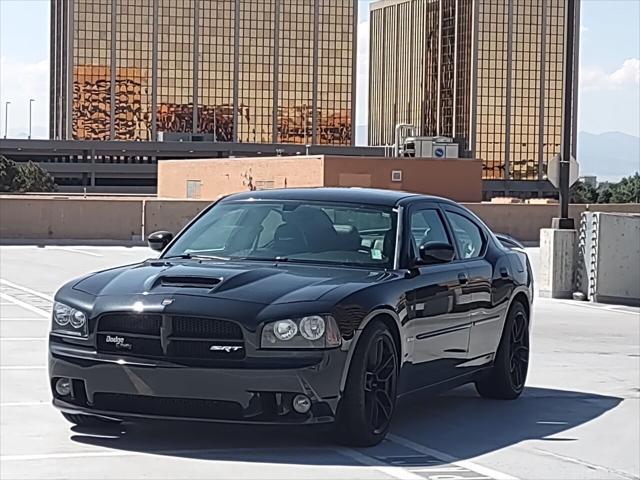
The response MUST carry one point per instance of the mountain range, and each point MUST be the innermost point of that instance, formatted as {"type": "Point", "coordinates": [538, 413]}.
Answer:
{"type": "Point", "coordinates": [609, 156]}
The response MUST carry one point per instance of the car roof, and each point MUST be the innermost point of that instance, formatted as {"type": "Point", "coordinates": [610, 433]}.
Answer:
{"type": "Point", "coordinates": [372, 196]}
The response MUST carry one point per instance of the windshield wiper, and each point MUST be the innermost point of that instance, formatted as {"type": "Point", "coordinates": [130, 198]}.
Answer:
{"type": "Point", "coordinates": [263, 259]}
{"type": "Point", "coordinates": [189, 256]}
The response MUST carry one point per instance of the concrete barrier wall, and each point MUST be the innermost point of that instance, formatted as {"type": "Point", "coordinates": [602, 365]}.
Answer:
{"type": "Point", "coordinates": [170, 215]}
{"type": "Point", "coordinates": [524, 221]}
{"type": "Point", "coordinates": [616, 276]}
{"type": "Point", "coordinates": [52, 217]}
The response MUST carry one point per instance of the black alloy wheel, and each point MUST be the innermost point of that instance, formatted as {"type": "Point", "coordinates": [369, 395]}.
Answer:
{"type": "Point", "coordinates": [369, 398]}
{"type": "Point", "coordinates": [507, 377]}
{"type": "Point", "coordinates": [519, 351]}
{"type": "Point", "coordinates": [380, 380]}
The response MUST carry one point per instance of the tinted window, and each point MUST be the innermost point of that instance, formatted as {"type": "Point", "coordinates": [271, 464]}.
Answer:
{"type": "Point", "coordinates": [269, 226]}
{"type": "Point", "coordinates": [468, 235]}
{"type": "Point", "coordinates": [427, 226]}
{"type": "Point", "coordinates": [295, 231]}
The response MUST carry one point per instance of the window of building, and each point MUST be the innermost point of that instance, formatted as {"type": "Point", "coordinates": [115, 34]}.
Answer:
{"type": "Point", "coordinates": [194, 188]}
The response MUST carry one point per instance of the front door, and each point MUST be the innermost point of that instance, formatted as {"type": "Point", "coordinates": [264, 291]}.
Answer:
{"type": "Point", "coordinates": [436, 321]}
{"type": "Point", "coordinates": [487, 316]}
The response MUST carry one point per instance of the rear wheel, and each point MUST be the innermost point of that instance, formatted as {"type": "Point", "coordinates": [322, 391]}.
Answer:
{"type": "Point", "coordinates": [507, 378]}
{"type": "Point", "coordinates": [369, 400]}
{"type": "Point", "coordinates": [88, 420]}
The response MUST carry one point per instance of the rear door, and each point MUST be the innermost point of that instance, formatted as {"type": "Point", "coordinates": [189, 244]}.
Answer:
{"type": "Point", "coordinates": [435, 321]}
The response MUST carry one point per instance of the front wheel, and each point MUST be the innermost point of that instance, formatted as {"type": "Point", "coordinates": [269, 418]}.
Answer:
{"type": "Point", "coordinates": [509, 373]}
{"type": "Point", "coordinates": [365, 412]}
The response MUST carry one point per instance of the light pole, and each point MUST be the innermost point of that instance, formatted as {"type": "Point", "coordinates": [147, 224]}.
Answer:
{"type": "Point", "coordinates": [6, 118]}
{"type": "Point", "coordinates": [31, 100]}
{"type": "Point", "coordinates": [564, 222]}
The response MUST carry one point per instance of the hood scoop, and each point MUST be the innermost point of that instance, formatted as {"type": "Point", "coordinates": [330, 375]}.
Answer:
{"type": "Point", "coordinates": [206, 283]}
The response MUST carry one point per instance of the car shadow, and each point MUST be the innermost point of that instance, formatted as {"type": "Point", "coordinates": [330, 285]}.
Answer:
{"type": "Point", "coordinates": [459, 423]}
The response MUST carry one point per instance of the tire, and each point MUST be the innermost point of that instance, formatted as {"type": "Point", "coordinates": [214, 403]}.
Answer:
{"type": "Point", "coordinates": [507, 377]}
{"type": "Point", "coordinates": [366, 409]}
{"type": "Point", "coordinates": [88, 420]}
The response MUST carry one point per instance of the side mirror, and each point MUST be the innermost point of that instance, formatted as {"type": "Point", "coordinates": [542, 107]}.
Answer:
{"type": "Point", "coordinates": [159, 240]}
{"type": "Point", "coordinates": [436, 252]}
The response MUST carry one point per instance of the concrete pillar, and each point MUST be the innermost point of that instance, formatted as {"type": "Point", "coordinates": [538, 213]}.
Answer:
{"type": "Point", "coordinates": [557, 262]}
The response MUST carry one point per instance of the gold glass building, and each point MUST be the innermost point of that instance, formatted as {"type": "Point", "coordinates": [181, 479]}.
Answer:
{"type": "Point", "coordinates": [263, 71]}
{"type": "Point", "coordinates": [488, 73]}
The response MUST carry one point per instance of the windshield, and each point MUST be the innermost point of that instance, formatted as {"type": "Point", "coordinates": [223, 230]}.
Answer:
{"type": "Point", "coordinates": [292, 231]}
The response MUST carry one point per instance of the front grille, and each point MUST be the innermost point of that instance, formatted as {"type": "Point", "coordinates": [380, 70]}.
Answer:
{"type": "Point", "coordinates": [166, 406]}
{"type": "Point", "coordinates": [130, 323]}
{"type": "Point", "coordinates": [205, 328]}
{"type": "Point", "coordinates": [173, 338]}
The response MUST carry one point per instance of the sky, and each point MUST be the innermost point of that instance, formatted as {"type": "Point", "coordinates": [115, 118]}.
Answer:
{"type": "Point", "coordinates": [609, 66]}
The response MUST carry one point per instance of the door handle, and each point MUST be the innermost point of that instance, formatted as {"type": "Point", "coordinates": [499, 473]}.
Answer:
{"type": "Point", "coordinates": [463, 278]}
{"type": "Point", "coordinates": [504, 273]}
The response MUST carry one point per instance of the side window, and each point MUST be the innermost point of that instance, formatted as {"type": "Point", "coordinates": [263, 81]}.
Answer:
{"type": "Point", "coordinates": [427, 226]}
{"type": "Point", "coordinates": [469, 237]}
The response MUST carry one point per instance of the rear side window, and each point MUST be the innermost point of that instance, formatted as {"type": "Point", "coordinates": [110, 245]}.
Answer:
{"type": "Point", "coordinates": [468, 235]}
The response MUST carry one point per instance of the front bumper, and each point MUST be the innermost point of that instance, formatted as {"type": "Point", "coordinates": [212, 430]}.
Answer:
{"type": "Point", "coordinates": [258, 392]}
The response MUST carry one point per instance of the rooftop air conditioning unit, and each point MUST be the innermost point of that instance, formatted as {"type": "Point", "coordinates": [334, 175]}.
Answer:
{"type": "Point", "coordinates": [429, 147]}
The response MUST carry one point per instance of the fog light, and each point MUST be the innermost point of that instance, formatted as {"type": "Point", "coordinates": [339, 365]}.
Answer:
{"type": "Point", "coordinates": [301, 403]}
{"type": "Point", "coordinates": [63, 387]}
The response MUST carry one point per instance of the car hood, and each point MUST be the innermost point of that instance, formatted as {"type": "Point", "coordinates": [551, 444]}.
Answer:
{"type": "Point", "coordinates": [241, 281]}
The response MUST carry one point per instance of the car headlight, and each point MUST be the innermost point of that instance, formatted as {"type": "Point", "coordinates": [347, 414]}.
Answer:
{"type": "Point", "coordinates": [69, 320]}
{"type": "Point", "coordinates": [285, 329]}
{"type": "Point", "coordinates": [313, 331]}
{"type": "Point", "coordinates": [312, 327]}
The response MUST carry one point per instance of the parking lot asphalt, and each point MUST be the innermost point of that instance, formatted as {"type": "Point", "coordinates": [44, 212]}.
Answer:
{"type": "Point", "coordinates": [579, 417]}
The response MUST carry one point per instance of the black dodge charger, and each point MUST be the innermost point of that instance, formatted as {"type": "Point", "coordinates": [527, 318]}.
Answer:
{"type": "Point", "coordinates": [297, 306]}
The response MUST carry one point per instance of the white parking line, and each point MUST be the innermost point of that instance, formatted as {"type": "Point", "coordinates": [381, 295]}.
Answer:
{"type": "Point", "coordinates": [24, 404]}
{"type": "Point", "coordinates": [22, 339]}
{"type": "Point", "coordinates": [50, 456]}
{"type": "Point", "coordinates": [391, 470]}
{"type": "Point", "coordinates": [177, 452]}
{"type": "Point", "coordinates": [595, 306]}
{"type": "Point", "coordinates": [440, 470]}
{"type": "Point", "coordinates": [105, 248]}
{"type": "Point", "coordinates": [75, 250]}
{"type": "Point", "coordinates": [591, 466]}
{"type": "Point", "coordinates": [485, 471]}
{"type": "Point", "coordinates": [23, 367]}
{"type": "Point", "coordinates": [26, 289]}
{"type": "Point", "coordinates": [25, 319]}
{"type": "Point", "coordinates": [25, 305]}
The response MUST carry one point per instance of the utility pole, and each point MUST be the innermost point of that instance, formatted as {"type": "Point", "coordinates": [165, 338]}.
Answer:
{"type": "Point", "coordinates": [6, 118]}
{"type": "Point", "coordinates": [564, 222]}
{"type": "Point", "coordinates": [31, 100]}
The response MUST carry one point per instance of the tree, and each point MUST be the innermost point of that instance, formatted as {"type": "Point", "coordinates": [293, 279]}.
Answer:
{"type": "Point", "coordinates": [36, 179]}
{"type": "Point", "coordinates": [24, 177]}
{"type": "Point", "coordinates": [627, 190]}
{"type": "Point", "coordinates": [604, 194]}
{"type": "Point", "coordinates": [9, 175]}
{"type": "Point", "coordinates": [583, 193]}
